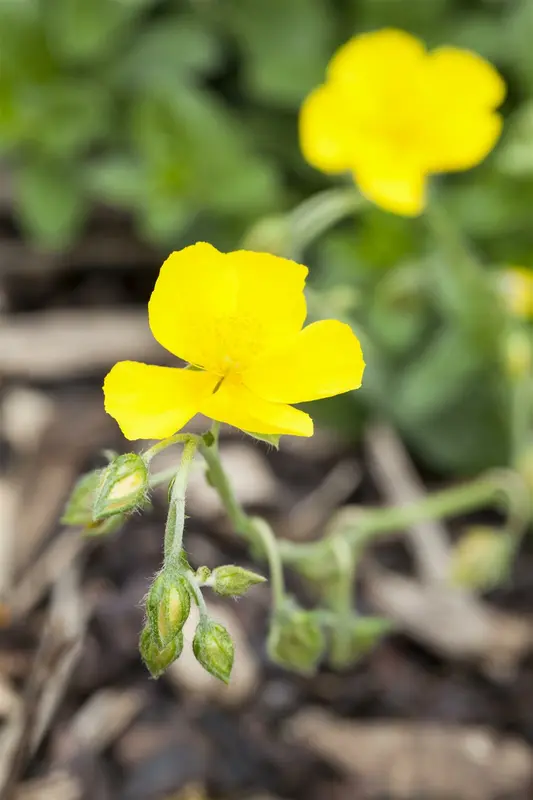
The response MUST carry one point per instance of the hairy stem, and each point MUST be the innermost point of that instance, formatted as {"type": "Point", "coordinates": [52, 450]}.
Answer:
{"type": "Point", "coordinates": [176, 511]}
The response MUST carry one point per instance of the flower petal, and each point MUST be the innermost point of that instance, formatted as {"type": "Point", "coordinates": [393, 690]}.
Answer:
{"type": "Point", "coordinates": [270, 302]}
{"type": "Point", "coordinates": [375, 51]}
{"type": "Point", "coordinates": [236, 405]}
{"type": "Point", "coordinates": [463, 91]}
{"type": "Point", "coordinates": [461, 140]}
{"type": "Point", "coordinates": [218, 310]}
{"type": "Point", "coordinates": [462, 78]}
{"type": "Point", "coordinates": [151, 402]}
{"type": "Point", "coordinates": [325, 131]}
{"type": "Point", "coordinates": [196, 288]}
{"type": "Point", "coordinates": [323, 360]}
{"type": "Point", "coordinates": [397, 185]}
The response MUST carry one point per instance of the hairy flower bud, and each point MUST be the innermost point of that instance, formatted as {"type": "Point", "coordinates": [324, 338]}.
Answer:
{"type": "Point", "coordinates": [79, 507]}
{"type": "Point", "coordinates": [233, 581]}
{"type": "Point", "coordinates": [168, 606]}
{"type": "Point", "coordinates": [213, 648]}
{"type": "Point", "coordinates": [157, 658]}
{"type": "Point", "coordinates": [202, 575]}
{"type": "Point", "coordinates": [123, 486]}
{"type": "Point", "coordinates": [296, 641]}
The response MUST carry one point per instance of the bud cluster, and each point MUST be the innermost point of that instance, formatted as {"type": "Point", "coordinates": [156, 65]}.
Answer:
{"type": "Point", "coordinates": [101, 499]}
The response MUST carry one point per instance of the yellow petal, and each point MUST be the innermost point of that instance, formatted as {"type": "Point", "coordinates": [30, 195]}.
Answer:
{"type": "Point", "coordinates": [395, 185]}
{"type": "Point", "coordinates": [462, 78]}
{"type": "Point", "coordinates": [151, 402]}
{"type": "Point", "coordinates": [323, 360]}
{"type": "Point", "coordinates": [462, 141]}
{"type": "Point", "coordinates": [325, 131]}
{"type": "Point", "coordinates": [236, 405]}
{"type": "Point", "coordinates": [374, 57]}
{"type": "Point", "coordinates": [218, 310]}
{"type": "Point", "coordinates": [270, 303]}
{"type": "Point", "coordinates": [462, 92]}
{"type": "Point", "coordinates": [195, 290]}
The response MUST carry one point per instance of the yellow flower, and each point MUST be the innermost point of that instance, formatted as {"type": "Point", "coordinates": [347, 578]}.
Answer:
{"type": "Point", "coordinates": [516, 286]}
{"type": "Point", "coordinates": [393, 114]}
{"type": "Point", "coordinates": [237, 319]}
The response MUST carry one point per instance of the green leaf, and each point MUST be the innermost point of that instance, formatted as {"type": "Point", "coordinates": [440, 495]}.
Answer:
{"type": "Point", "coordinates": [63, 118]}
{"type": "Point", "coordinates": [286, 46]}
{"type": "Point", "coordinates": [116, 179]}
{"type": "Point", "coordinates": [50, 203]}
{"type": "Point", "coordinates": [515, 156]}
{"type": "Point", "coordinates": [167, 52]}
{"type": "Point", "coordinates": [81, 31]}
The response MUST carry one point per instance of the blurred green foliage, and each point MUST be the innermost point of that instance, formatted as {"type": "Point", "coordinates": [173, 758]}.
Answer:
{"type": "Point", "coordinates": [185, 114]}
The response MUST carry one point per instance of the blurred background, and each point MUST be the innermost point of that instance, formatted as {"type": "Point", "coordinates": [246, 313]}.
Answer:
{"type": "Point", "coordinates": [129, 128]}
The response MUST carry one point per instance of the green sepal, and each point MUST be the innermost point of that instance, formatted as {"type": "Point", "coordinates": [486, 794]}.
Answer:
{"type": "Point", "coordinates": [296, 641]}
{"type": "Point", "coordinates": [233, 581]}
{"type": "Point", "coordinates": [79, 507]}
{"type": "Point", "coordinates": [359, 636]}
{"type": "Point", "coordinates": [213, 648]}
{"type": "Point", "coordinates": [168, 606]}
{"type": "Point", "coordinates": [123, 486]}
{"type": "Point", "coordinates": [269, 438]}
{"type": "Point", "coordinates": [156, 658]}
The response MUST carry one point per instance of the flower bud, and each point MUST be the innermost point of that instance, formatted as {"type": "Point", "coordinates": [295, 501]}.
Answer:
{"type": "Point", "coordinates": [79, 507]}
{"type": "Point", "coordinates": [358, 638]}
{"type": "Point", "coordinates": [123, 486]}
{"type": "Point", "coordinates": [168, 606]}
{"type": "Point", "coordinates": [481, 558]}
{"type": "Point", "coordinates": [213, 648]}
{"type": "Point", "coordinates": [157, 658]}
{"type": "Point", "coordinates": [233, 581]}
{"type": "Point", "coordinates": [296, 641]}
{"type": "Point", "coordinates": [202, 575]}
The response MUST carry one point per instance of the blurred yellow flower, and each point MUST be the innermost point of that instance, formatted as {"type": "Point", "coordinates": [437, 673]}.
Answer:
{"type": "Point", "coordinates": [392, 114]}
{"type": "Point", "coordinates": [237, 319]}
{"type": "Point", "coordinates": [516, 286]}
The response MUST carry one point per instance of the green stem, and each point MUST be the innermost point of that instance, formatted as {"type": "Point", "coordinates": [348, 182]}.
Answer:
{"type": "Point", "coordinates": [197, 594]}
{"type": "Point", "coordinates": [341, 600]}
{"type": "Point", "coordinates": [317, 214]}
{"type": "Point", "coordinates": [218, 479]}
{"type": "Point", "coordinates": [271, 546]}
{"type": "Point", "coordinates": [176, 511]}
{"type": "Point", "coordinates": [253, 529]}
{"type": "Point", "coordinates": [158, 447]}
{"type": "Point", "coordinates": [372, 523]}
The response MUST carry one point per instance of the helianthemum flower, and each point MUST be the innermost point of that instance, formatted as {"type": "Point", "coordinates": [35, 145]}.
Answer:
{"type": "Point", "coordinates": [237, 320]}
{"type": "Point", "coordinates": [392, 113]}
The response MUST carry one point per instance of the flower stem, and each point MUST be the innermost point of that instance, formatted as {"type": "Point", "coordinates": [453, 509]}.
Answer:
{"type": "Point", "coordinates": [176, 511]}
{"type": "Point", "coordinates": [271, 546]}
{"type": "Point", "coordinates": [254, 529]}
{"type": "Point", "coordinates": [318, 213]}
{"type": "Point", "coordinates": [197, 594]}
{"type": "Point", "coordinates": [367, 524]}
{"type": "Point", "coordinates": [219, 480]}
{"type": "Point", "coordinates": [158, 447]}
